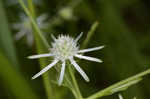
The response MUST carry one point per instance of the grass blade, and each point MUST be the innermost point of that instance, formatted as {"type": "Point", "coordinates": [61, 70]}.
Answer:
{"type": "Point", "coordinates": [127, 82]}
{"type": "Point", "coordinates": [6, 40]}
{"type": "Point", "coordinates": [14, 81]}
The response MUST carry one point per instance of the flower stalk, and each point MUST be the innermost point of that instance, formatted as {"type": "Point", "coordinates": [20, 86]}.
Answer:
{"type": "Point", "coordinates": [31, 14]}
{"type": "Point", "coordinates": [78, 94]}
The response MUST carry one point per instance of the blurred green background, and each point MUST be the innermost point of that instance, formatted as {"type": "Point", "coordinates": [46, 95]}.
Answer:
{"type": "Point", "coordinates": [124, 28]}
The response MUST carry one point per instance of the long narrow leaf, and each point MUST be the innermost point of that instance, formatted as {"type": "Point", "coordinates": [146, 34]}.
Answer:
{"type": "Point", "coordinates": [13, 80]}
{"type": "Point", "coordinates": [124, 84]}
{"type": "Point", "coordinates": [6, 40]}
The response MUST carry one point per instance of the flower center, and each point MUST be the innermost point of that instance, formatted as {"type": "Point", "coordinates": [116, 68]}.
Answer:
{"type": "Point", "coordinates": [64, 47]}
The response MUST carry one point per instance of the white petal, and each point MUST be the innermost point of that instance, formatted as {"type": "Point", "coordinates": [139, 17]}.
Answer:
{"type": "Point", "coordinates": [41, 21]}
{"type": "Point", "coordinates": [88, 58]}
{"type": "Point", "coordinates": [120, 96]}
{"type": "Point", "coordinates": [42, 18]}
{"type": "Point", "coordinates": [134, 97]}
{"type": "Point", "coordinates": [38, 2]}
{"type": "Point", "coordinates": [62, 73]}
{"type": "Point", "coordinates": [79, 37]}
{"type": "Point", "coordinates": [19, 35]}
{"type": "Point", "coordinates": [11, 2]}
{"type": "Point", "coordinates": [45, 69]}
{"type": "Point", "coordinates": [53, 37]}
{"type": "Point", "coordinates": [30, 38]}
{"type": "Point", "coordinates": [23, 17]}
{"type": "Point", "coordinates": [17, 26]}
{"type": "Point", "coordinates": [77, 67]}
{"type": "Point", "coordinates": [39, 56]}
{"type": "Point", "coordinates": [90, 49]}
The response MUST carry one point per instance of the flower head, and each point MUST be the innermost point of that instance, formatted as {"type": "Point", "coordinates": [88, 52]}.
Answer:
{"type": "Point", "coordinates": [14, 2]}
{"type": "Point", "coordinates": [66, 48]}
{"type": "Point", "coordinates": [24, 27]}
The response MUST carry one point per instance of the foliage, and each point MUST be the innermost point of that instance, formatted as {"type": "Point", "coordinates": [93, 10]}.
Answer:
{"type": "Point", "coordinates": [122, 26]}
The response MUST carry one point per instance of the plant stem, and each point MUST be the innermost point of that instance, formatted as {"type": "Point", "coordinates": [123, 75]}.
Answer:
{"type": "Point", "coordinates": [107, 90]}
{"type": "Point", "coordinates": [31, 8]}
{"type": "Point", "coordinates": [38, 34]}
{"type": "Point", "coordinates": [90, 34]}
{"type": "Point", "coordinates": [77, 92]}
{"type": "Point", "coordinates": [75, 84]}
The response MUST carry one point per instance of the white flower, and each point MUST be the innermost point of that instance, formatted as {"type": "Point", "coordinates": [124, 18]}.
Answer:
{"type": "Point", "coordinates": [121, 97]}
{"type": "Point", "coordinates": [66, 48]}
{"type": "Point", "coordinates": [14, 2]}
{"type": "Point", "coordinates": [24, 27]}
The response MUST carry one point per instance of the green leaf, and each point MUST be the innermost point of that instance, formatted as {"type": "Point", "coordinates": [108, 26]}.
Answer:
{"type": "Point", "coordinates": [90, 34]}
{"type": "Point", "coordinates": [125, 86]}
{"type": "Point", "coordinates": [6, 41]}
{"type": "Point", "coordinates": [120, 86]}
{"type": "Point", "coordinates": [13, 80]}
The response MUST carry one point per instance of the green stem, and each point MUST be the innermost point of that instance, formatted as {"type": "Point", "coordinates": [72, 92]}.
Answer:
{"type": "Point", "coordinates": [31, 8]}
{"type": "Point", "coordinates": [78, 93]}
{"type": "Point", "coordinates": [37, 33]}
{"type": "Point", "coordinates": [109, 89]}
{"type": "Point", "coordinates": [90, 34]}
{"type": "Point", "coordinates": [34, 23]}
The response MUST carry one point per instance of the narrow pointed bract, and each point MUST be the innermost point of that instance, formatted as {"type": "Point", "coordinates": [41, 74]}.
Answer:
{"type": "Point", "coordinates": [90, 49]}
{"type": "Point", "coordinates": [77, 67]}
{"type": "Point", "coordinates": [19, 35]}
{"type": "Point", "coordinates": [88, 58]}
{"type": "Point", "coordinates": [53, 37]}
{"type": "Point", "coordinates": [80, 35]}
{"type": "Point", "coordinates": [120, 96]}
{"type": "Point", "coordinates": [39, 56]}
{"type": "Point", "coordinates": [66, 48]}
{"type": "Point", "coordinates": [15, 2]}
{"type": "Point", "coordinates": [45, 69]}
{"type": "Point", "coordinates": [62, 73]}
